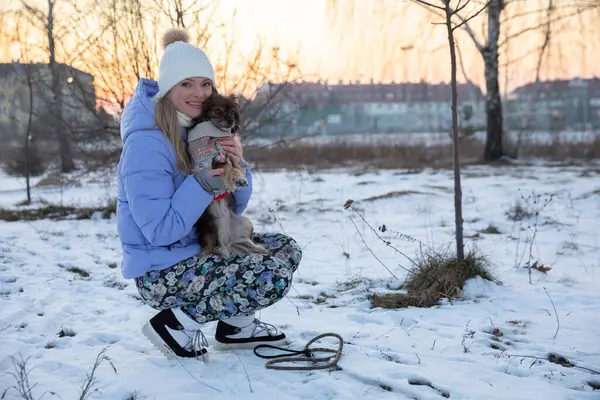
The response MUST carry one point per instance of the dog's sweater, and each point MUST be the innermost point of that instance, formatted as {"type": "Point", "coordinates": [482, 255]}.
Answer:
{"type": "Point", "coordinates": [203, 146]}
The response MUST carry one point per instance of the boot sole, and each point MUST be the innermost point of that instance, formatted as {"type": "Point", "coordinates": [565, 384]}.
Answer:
{"type": "Point", "coordinates": [248, 345]}
{"type": "Point", "coordinates": [156, 340]}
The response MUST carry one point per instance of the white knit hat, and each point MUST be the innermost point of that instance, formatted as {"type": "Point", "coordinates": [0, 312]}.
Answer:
{"type": "Point", "coordinates": [181, 60]}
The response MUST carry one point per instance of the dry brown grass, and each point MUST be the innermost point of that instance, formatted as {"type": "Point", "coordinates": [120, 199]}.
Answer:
{"type": "Point", "coordinates": [297, 155]}
{"type": "Point", "coordinates": [404, 300]}
{"type": "Point", "coordinates": [436, 275]}
{"type": "Point", "coordinates": [560, 150]}
{"type": "Point", "coordinates": [491, 230]}
{"type": "Point", "coordinates": [391, 195]}
{"type": "Point", "coordinates": [56, 212]}
{"type": "Point", "coordinates": [57, 179]}
{"type": "Point", "coordinates": [340, 154]}
{"type": "Point", "coordinates": [519, 212]}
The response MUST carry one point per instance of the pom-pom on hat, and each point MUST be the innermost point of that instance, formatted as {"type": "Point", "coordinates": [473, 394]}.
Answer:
{"type": "Point", "coordinates": [181, 60]}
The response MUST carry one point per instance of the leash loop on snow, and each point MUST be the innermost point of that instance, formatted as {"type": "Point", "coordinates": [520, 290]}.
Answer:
{"type": "Point", "coordinates": [306, 355]}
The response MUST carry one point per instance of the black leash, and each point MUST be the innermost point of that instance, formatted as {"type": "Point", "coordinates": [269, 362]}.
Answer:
{"type": "Point", "coordinates": [307, 355]}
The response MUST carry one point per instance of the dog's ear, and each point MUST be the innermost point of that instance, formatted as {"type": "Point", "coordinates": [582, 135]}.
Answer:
{"type": "Point", "coordinates": [235, 98]}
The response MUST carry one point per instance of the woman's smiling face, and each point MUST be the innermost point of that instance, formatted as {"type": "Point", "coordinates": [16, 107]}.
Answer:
{"type": "Point", "coordinates": [189, 95]}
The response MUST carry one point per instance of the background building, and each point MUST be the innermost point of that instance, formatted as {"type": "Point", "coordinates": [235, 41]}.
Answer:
{"type": "Point", "coordinates": [78, 98]}
{"type": "Point", "coordinates": [555, 105]}
{"type": "Point", "coordinates": [376, 107]}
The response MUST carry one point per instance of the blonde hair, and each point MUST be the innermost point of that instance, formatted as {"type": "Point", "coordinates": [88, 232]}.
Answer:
{"type": "Point", "coordinates": [166, 119]}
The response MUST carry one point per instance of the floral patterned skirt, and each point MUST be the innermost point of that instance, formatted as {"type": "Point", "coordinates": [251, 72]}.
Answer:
{"type": "Point", "coordinates": [209, 288]}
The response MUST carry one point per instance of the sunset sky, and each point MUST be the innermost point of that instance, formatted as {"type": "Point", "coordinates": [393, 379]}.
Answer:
{"type": "Point", "coordinates": [371, 48]}
{"type": "Point", "coordinates": [397, 41]}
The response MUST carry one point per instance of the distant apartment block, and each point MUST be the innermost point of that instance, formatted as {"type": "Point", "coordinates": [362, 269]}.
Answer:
{"type": "Point", "coordinates": [376, 107]}
{"type": "Point", "coordinates": [77, 93]}
{"type": "Point", "coordinates": [555, 105]}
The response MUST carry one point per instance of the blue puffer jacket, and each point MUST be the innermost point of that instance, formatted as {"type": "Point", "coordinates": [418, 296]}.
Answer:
{"type": "Point", "coordinates": [157, 205]}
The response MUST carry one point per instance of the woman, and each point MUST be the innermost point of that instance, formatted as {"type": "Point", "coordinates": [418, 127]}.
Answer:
{"type": "Point", "coordinates": [159, 203]}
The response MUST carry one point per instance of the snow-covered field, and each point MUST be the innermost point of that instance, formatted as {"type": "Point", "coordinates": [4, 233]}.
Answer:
{"type": "Point", "coordinates": [483, 347]}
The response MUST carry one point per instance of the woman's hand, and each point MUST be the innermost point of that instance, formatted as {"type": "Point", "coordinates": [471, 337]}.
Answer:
{"type": "Point", "coordinates": [210, 180]}
{"type": "Point", "coordinates": [233, 147]}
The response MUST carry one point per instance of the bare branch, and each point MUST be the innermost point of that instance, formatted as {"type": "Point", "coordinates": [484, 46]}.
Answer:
{"type": "Point", "coordinates": [537, 26]}
{"type": "Point", "coordinates": [371, 251]}
{"type": "Point", "coordinates": [428, 4]}
{"type": "Point", "coordinates": [546, 40]}
{"type": "Point", "coordinates": [36, 14]}
{"type": "Point", "coordinates": [466, 20]}
{"type": "Point", "coordinates": [465, 25]}
{"type": "Point", "coordinates": [462, 66]}
{"type": "Point", "coordinates": [459, 8]}
{"type": "Point", "coordinates": [537, 11]}
{"type": "Point", "coordinates": [555, 313]}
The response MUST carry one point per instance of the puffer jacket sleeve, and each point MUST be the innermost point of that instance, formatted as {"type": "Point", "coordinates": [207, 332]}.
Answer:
{"type": "Point", "coordinates": [242, 195]}
{"type": "Point", "coordinates": [164, 215]}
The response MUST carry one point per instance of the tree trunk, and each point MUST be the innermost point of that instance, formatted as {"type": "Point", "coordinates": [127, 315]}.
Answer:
{"type": "Point", "coordinates": [58, 81]}
{"type": "Point", "coordinates": [458, 218]}
{"type": "Point", "coordinates": [495, 124]}
{"type": "Point", "coordinates": [28, 132]}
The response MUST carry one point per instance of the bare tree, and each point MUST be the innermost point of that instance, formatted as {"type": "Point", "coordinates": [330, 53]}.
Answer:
{"type": "Point", "coordinates": [489, 50]}
{"type": "Point", "coordinates": [495, 123]}
{"type": "Point", "coordinates": [119, 42]}
{"type": "Point", "coordinates": [528, 113]}
{"type": "Point", "coordinates": [24, 160]}
{"type": "Point", "coordinates": [529, 18]}
{"type": "Point", "coordinates": [27, 135]}
{"type": "Point", "coordinates": [191, 15]}
{"type": "Point", "coordinates": [265, 106]}
{"type": "Point", "coordinates": [491, 46]}
{"type": "Point", "coordinates": [64, 105]}
{"type": "Point", "coordinates": [120, 60]}
{"type": "Point", "coordinates": [449, 12]}
{"type": "Point", "coordinates": [54, 32]}
{"type": "Point", "coordinates": [117, 47]}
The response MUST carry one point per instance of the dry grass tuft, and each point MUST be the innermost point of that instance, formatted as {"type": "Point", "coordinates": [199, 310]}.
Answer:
{"type": "Point", "coordinates": [391, 195]}
{"type": "Point", "coordinates": [444, 274]}
{"type": "Point", "coordinates": [404, 300]}
{"type": "Point", "coordinates": [518, 212]}
{"type": "Point", "coordinates": [66, 332]}
{"type": "Point", "coordinates": [560, 360]}
{"type": "Point", "coordinates": [491, 230]}
{"type": "Point", "coordinates": [78, 271]}
{"type": "Point", "coordinates": [436, 275]}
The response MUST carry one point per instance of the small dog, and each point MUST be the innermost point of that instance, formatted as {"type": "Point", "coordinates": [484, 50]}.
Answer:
{"type": "Point", "coordinates": [220, 117]}
{"type": "Point", "coordinates": [220, 230]}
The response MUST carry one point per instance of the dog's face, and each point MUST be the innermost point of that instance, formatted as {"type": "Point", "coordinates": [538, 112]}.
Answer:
{"type": "Point", "coordinates": [222, 111]}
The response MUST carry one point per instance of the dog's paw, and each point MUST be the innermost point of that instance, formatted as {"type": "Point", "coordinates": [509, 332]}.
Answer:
{"type": "Point", "coordinates": [243, 182]}
{"type": "Point", "coordinates": [222, 252]}
{"type": "Point", "coordinates": [262, 249]}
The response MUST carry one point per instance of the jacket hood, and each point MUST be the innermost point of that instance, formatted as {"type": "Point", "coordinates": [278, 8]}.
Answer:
{"type": "Point", "coordinates": [139, 112]}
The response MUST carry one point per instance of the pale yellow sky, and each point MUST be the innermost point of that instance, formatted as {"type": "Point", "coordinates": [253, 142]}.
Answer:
{"type": "Point", "coordinates": [371, 46]}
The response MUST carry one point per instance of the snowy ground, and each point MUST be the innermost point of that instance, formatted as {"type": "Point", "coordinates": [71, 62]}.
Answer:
{"type": "Point", "coordinates": [481, 348]}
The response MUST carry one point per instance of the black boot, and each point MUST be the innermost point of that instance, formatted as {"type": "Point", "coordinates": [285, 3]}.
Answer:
{"type": "Point", "coordinates": [247, 337]}
{"type": "Point", "coordinates": [169, 336]}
